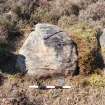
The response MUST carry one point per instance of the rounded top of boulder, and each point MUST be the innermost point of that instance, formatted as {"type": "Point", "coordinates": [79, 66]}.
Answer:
{"type": "Point", "coordinates": [45, 28]}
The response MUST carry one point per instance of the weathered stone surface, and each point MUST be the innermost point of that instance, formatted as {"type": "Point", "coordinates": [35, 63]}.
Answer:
{"type": "Point", "coordinates": [102, 39]}
{"type": "Point", "coordinates": [48, 51]}
{"type": "Point", "coordinates": [102, 43]}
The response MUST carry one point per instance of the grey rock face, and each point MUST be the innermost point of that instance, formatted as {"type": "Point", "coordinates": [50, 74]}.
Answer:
{"type": "Point", "coordinates": [102, 43]}
{"type": "Point", "coordinates": [102, 39]}
{"type": "Point", "coordinates": [48, 51]}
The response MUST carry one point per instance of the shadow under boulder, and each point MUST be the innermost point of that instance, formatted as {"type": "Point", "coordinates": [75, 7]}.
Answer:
{"type": "Point", "coordinates": [8, 62]}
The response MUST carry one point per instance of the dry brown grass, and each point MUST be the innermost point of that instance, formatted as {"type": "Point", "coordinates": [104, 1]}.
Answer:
{"type": "Point", "coordinates": [85, 37]}
{"type": "Point", "coordinates": [15, 90]}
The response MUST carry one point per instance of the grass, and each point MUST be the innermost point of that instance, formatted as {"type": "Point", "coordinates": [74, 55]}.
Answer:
{"type": "Point", "coordinates": [83, 30]}
{"type": "Point", "coordinates": [85, 37]}
{"type": "Point", "coordinates": [97, 80]}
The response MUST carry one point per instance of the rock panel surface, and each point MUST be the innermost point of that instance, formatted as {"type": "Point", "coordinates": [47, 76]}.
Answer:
{"type": "Point", "coordinates": [102, 44]}
{"type": "Point", "coordinates": [48, 51]}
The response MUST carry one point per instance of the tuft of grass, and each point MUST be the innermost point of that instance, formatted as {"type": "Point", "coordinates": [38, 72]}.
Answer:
{"type": "Point", "coordinates": [46, 15]}
{"type": "Point", "coordinates": [83, 30]}
{"type": "Point", "coordinates": [97, 80]}
{"type": "Point", "coordinates": [66, 21]}
{"type": "Point", "coordinates": [94, 14]}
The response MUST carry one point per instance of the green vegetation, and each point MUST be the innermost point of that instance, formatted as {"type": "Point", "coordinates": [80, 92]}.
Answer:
{"type": "Point", "coordinates": [97, 80]}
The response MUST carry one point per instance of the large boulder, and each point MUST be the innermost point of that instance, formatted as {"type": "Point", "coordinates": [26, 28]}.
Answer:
{"type": "Point", "coordinates": [48, 51]}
